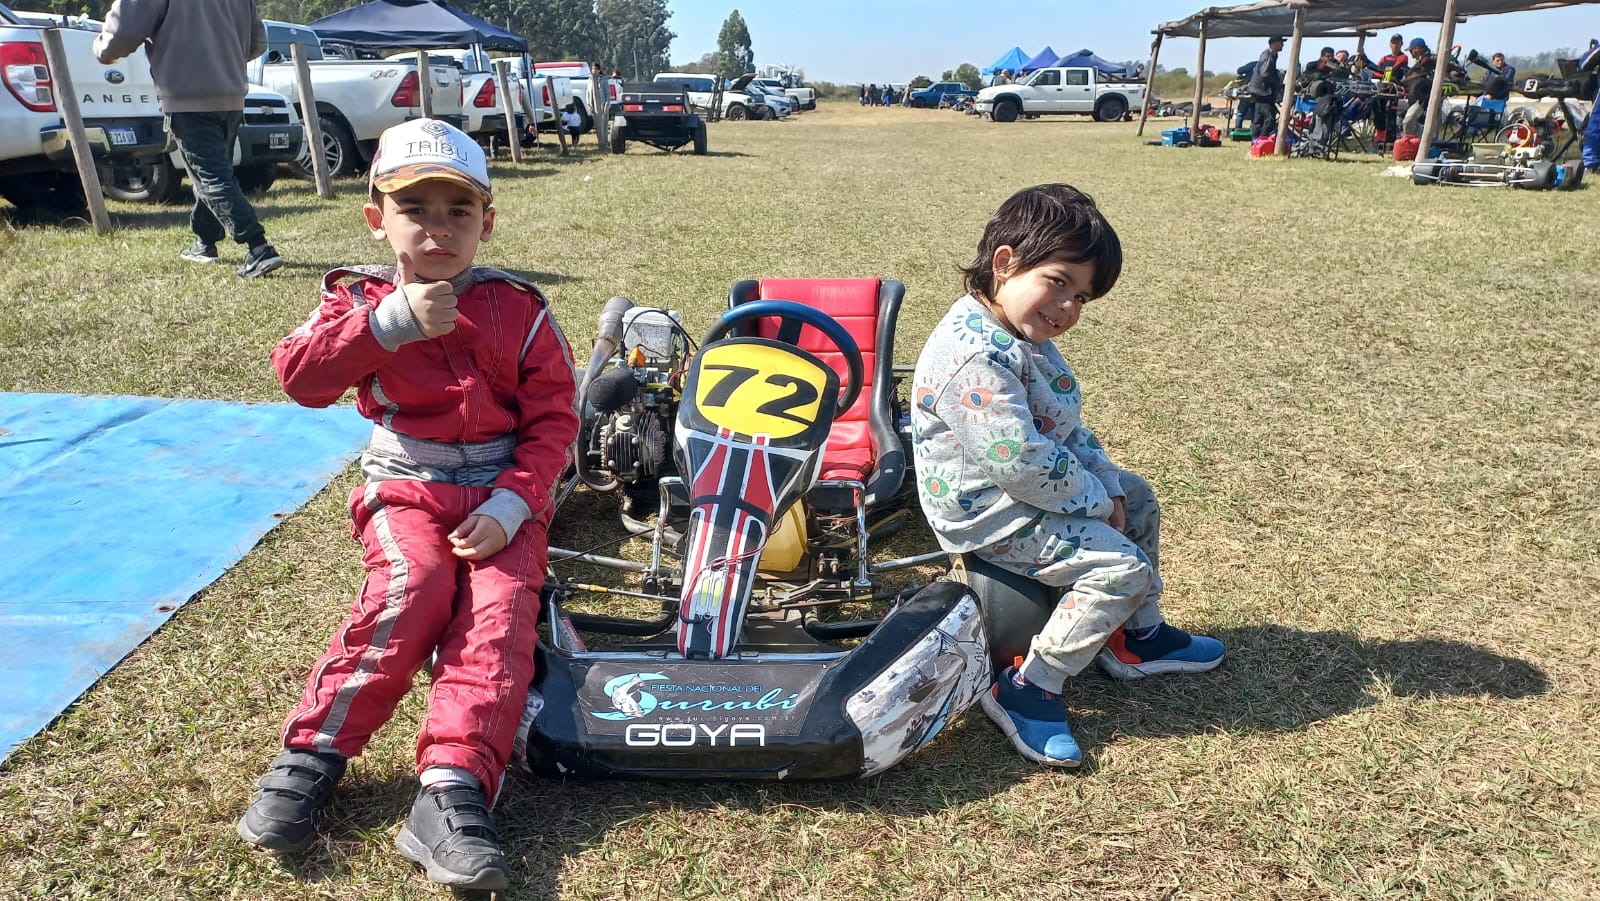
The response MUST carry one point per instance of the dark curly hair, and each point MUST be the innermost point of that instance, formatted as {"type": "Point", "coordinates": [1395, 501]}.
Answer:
{"type": "Point", "coordinates": [1045, 223]}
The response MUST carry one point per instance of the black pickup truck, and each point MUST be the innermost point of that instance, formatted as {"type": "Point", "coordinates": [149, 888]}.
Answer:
{"type": "Point", "coordinates": [657, 113]}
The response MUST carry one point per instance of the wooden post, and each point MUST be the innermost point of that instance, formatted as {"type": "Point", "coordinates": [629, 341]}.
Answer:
{"type": "Point", "coordinates": [311, 121]}
{"type": "Point", "coordinates": [602, 116]}
{"type": "Point", "coordinates": [1199, 82]}
{"type": "Point", "coordinates": [55, 54]}
{"type": "Point", "coordinates": [1149, 76]}
{"type": "Point", "coordinates": [561, 133]}
{"type": "Point", "coordinates": [1290, 75]}
{"type": "Point", "coordinates": [1441, 69]}
{"type": "Point", "coordinates": [502, 75]}
{"type": "Point", "coordinates": [425, 79]}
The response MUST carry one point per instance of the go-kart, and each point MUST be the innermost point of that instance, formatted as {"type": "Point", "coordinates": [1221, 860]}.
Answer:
{"type": "Point", "coordinates": [786, 456]}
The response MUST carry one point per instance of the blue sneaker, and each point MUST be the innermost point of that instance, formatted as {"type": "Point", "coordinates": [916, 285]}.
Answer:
{"type": "Point", "coordinates": [1034, 719]}
{"type": "Point", "coordinates": [1169, 650]}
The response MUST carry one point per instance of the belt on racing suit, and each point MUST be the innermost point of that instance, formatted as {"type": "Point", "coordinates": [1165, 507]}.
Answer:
{"type": "Point", "coordinates": [391, 455]}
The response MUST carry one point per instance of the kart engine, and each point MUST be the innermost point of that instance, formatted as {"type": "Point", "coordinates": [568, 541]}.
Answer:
{"type": "Point", "coordinates": [630, 400]}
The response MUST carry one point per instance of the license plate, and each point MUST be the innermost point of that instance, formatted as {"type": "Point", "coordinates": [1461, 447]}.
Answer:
{"type": "Point", "coordinates": [278, 140]}
{"type": "Point", "coordinates": [123, 136]}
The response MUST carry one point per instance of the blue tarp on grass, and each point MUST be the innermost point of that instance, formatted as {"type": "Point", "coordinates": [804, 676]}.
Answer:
{"type": "Point", "coordinates": [114, 511]}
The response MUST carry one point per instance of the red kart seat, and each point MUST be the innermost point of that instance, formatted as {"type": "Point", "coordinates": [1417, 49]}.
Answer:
{"type": "Point", "coordinates": [864, 443]}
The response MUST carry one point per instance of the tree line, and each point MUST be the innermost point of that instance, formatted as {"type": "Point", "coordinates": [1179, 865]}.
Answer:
{"type": "Point", "coordinates": [629, 36]}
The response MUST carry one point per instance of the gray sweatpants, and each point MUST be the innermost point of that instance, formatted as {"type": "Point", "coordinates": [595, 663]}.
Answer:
{"type": "Point", "coordinates": [1111, 579]}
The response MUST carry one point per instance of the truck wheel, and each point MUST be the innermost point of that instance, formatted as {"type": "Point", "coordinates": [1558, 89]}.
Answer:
{"type": "Point", "coordinates": [700, 139]}
{"type": "Point", "coordinates": [585, 121]}
{"type": "Point", "coordinates": [338, 147]}
{"type": "Point", "coordinates": [619, 144]}
{"type": "Point", "coordinates": [255, 180]}
{"type": "Point", "coordinates": [918, 103]}
{"type": "Point", "coordinates": [1110, 109]}
{"type": "Point", "coordinates": [54, 191]}
{"type": "Point", "coordinates": [1007, 110]}
{"type": "Point", "coordinates": [738, 113]}
{"type": "Point", "coordinates": [145, 181]}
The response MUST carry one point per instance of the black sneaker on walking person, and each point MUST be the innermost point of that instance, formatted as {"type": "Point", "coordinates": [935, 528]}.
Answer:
{"type": "Point", "coordinates": [451, 834]}
{"type": "Point", "coordinates": [261, 260]}
{"type": "Point", "coordinates": [283, 814]}
{"type": "Point", "coordinates": [201, 252]}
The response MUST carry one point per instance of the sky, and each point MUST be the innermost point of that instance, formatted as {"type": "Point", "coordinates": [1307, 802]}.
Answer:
{"type": "Point", "coordinates": [852, 41]}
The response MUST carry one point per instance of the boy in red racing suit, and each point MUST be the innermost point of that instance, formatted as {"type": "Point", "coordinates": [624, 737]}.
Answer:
{"type": "Point", "coordinates": [470, 386]}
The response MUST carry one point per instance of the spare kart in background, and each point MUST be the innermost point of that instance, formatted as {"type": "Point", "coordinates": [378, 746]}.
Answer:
{"type": "Point", "coordinates": [758, 465]}
{"type": "Point", "coordinates": [656, 113]}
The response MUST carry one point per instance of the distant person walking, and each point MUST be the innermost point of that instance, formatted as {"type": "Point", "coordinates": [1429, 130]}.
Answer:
{"type": "Point", "coordinates": [198, 51]}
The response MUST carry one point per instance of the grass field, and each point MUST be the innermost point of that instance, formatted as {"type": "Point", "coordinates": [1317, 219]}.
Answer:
{"type": "Point", "coordinates": [1372, 411]}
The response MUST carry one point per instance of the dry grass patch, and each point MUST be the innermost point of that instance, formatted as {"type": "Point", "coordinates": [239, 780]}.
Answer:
{"type": "Point", "coordinates": [1369, 409]}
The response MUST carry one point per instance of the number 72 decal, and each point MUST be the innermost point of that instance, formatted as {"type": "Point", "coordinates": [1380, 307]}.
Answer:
{"type": "Point", "coordinates": [758, 389]}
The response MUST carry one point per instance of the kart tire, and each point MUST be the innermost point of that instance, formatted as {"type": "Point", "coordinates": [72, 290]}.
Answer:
{"type": "Point", "coordinates": [1426, 173]}
{"type": "Point", "coordinates": [700, 140]}
{"type": "Point", "coordinates": [1007, 111]}
{"type": "Point", "coordinates": [619, 142]}
{"type": "Point", "coordinates": [1571, 177]}
{"type": "Point", "coordinates": [1544, 176]}
{"type": "Point", "coordinates": [1110, 109]}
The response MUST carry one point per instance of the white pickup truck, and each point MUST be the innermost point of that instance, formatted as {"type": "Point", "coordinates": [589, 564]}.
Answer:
{"type": "Point", "coordinates": [581, 88]}
{"type": "Point", "coordinates": [121, 115]}
{"type": "Point", "coordinates": [480, 89]}
{"type": "Point", "coordinates": [803, 98]}
{"type": "Point", "coordinates": [1060, 90]}
{"type": "Point", "coordinates": [269, 134]}
{"type": "Point", "coordinates": [356, 99]}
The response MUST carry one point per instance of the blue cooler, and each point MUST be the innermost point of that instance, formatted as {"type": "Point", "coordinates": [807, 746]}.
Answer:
{"type": "Point", "coordinates": [1175, 137]}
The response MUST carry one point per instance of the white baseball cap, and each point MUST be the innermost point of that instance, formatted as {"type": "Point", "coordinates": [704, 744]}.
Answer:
{"type": "Point", "coordinates": [420, 149]}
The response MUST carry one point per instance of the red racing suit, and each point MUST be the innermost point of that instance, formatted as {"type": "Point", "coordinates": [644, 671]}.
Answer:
{"type": "Point", "coordinates": [475, 421]}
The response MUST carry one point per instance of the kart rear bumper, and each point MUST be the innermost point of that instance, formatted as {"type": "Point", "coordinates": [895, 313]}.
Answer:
{"type": "Point", "coordinates": [828, 715]}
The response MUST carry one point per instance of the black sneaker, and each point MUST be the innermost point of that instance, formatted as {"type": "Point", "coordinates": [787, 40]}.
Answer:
{"type": "Point", "coordinates": [201, 252]}
{"type": "Point", "coordinates": [451, 834]}
{"type": "Point", "coordinates": [259, 261]}
{"type": "Point", "coordinates": [283, 814]}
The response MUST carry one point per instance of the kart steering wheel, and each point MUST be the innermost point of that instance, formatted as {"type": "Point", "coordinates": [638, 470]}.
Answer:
{"type": "Point", "coordinates": [791, 316]}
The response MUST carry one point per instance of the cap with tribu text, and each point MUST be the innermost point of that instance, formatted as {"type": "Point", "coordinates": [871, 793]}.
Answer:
{"type": "Point", "coordinates": [421, 149]}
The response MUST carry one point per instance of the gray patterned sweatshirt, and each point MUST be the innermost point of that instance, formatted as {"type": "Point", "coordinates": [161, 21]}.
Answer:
{"type": "Point", "coordinates": [997, 433]}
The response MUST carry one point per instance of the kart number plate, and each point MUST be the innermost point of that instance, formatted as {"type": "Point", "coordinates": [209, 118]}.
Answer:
{"type": "Point", "coordinates": [278, 140]}
{"type": "Point", "coordinates": [758, 389]}
{"type": "Point", "coordinates": [121, 136]}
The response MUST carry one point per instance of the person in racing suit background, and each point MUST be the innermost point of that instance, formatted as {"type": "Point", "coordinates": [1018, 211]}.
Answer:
{"type": "Point", "coordinates": [470, 386]}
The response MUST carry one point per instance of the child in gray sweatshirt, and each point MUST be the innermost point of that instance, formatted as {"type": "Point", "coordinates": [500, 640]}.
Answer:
{"type": "Point", "coordinates": [1007, 470]}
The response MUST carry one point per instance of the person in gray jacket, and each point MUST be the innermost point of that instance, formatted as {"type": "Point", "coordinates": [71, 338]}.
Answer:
{"type": "Point", "coordinates": [198, 50]}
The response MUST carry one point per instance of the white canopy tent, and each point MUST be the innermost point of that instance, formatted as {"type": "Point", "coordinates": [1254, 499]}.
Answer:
{"type": "Point", "coordinates": [1334, 18]}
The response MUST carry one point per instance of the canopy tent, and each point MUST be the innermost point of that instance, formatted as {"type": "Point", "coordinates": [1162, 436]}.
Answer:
{"type": "Point", "coordinates": [414, 23]}
{"type": "Point", "coordinates": [1044, 59]}
{"type": "Point", "coordinates": [1303, 18]}
{"type": "Point", "coordinates": [1011, 61]}
{"type": "Point", "coordinates": [1325, 17]}
{"type": "Point", "coordinates": [1086, 57]}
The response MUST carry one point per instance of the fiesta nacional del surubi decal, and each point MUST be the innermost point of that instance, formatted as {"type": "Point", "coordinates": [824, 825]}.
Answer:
{"type": "Point", "coordinates": [721, 706]}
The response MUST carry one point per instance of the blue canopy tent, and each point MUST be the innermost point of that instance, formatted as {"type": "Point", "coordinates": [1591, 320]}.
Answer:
{"type": "Point", "coordinates": [414, 23]}
{"type": "Point", "coordinates": [1011, 61]}
{"type": "Point", "coordinates": [1044, 59]}
{"type": "Point", "coordinates": [1087, 58]}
